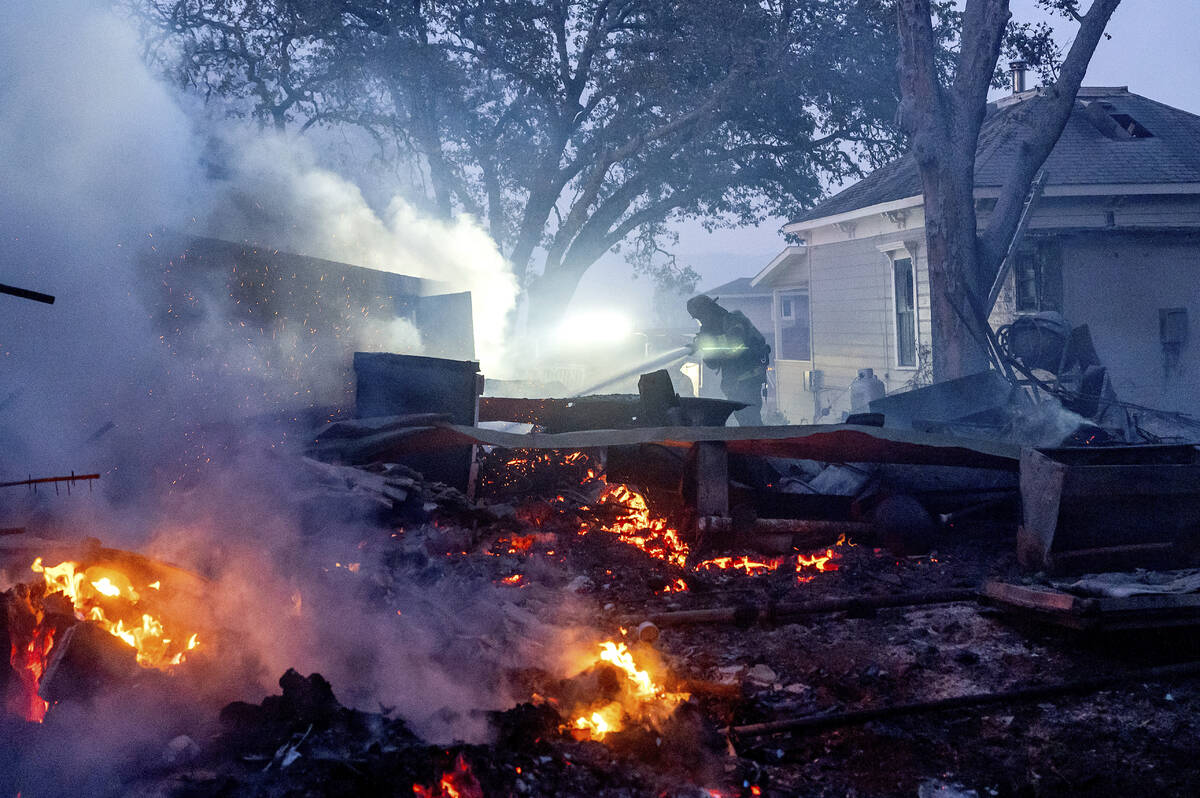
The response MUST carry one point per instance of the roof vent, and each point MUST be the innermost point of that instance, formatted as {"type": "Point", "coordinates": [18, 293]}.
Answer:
{"type": "Point", "coordinates": [1017, 68]}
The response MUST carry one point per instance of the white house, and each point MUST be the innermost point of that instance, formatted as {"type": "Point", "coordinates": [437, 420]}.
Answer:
{"type": "Point", "coordinates": [1114, 243]}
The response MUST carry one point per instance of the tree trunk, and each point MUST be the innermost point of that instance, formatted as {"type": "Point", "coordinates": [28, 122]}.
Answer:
{"type": "Point", "coordinates": [548, 295]}
{"type": "Point", "coordinates": [953, 273]}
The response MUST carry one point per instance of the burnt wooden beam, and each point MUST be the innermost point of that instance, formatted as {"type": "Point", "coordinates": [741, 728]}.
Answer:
{"type": "Point", "coordinates": [712, 479]}
{"type": "Point", "coordinates": [43, 480]}
{"type": "Point", "coordinates": [25, 293]}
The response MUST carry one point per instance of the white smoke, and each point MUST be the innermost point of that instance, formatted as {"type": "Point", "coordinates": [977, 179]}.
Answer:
{"type": "Point", "coordinates": [96, 154]}
{"type": "Point", "coordinates": [311, 210]}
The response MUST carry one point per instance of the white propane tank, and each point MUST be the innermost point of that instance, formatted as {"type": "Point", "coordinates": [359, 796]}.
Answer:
{"type": "Point", "coordinates": [865, 389]}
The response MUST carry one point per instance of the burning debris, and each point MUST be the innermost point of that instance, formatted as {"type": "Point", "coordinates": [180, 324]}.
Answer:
{"type": "Point", "coordinates": [586, 613]}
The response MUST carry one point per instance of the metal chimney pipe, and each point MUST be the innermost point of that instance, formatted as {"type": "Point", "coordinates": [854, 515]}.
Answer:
{"type": "Point", "coordinates": [1017, 68]}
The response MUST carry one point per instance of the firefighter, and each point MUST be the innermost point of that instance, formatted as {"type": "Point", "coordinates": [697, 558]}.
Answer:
{"type": "Point", "coordinates": [730, 344]}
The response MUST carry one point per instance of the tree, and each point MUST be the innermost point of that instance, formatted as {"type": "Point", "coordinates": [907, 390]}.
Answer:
{"type": "Point", "coordinates": [943, 120]}
{"type": "Point", "coordinates": [569, 127]}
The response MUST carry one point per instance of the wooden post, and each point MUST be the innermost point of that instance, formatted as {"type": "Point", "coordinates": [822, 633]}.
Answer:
{"type": "Point", "coordinates": [712, 479]}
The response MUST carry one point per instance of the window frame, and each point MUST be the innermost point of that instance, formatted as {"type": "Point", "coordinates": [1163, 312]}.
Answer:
{"type": "Point", "coordinates": [791, 292]}
{"type": "Point", "coordinates": [902, 250]}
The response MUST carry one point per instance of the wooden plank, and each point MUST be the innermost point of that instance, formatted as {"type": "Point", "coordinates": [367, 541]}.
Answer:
{"type": "Point", "coordinates": [1033, 597]}
{"type": "Point", "coordinates": [1041, 490]}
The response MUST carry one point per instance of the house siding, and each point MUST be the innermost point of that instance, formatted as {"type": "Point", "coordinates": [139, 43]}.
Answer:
{"type": "Point", "coordinates": [852, 306]}
{"type": "Point", "coordinates": [1123, 259]}
{"type": "Point", "coordinates": [1116, 284]}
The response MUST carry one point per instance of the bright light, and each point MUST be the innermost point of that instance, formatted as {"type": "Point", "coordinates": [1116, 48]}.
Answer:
{"type": "Point", "coordinates": [595, 327]}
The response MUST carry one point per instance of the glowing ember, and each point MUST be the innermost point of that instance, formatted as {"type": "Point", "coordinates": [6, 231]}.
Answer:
{"type": "Point", "coordinates": [515, 579]}
{"type": "Point", "coordinates": [743, 563]}
{"type": "Point", "coordinates": [637, 527]}
{"type": "Point", "coordinates": [457, 783]}
{"type": "Point", "coordinates": [519, 543]}
{"type": "Point", "coordinates": [109, 599]}
{"type": "Point", "coordinates": [817, 562]}
{"type": "Point", "coordinates": [641, 697]}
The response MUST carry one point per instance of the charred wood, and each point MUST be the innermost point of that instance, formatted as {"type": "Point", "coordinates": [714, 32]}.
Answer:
{"type": "Point", "coordinates": [813, 723]}
{"type": "Point", "coordinates": [749, 614]}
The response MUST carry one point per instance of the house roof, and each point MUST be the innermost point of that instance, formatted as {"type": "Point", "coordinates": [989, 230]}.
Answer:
{"type": "Point", "coordinates": [1085, 155]}
{"type": "Point", "coordinates": [742, 285]}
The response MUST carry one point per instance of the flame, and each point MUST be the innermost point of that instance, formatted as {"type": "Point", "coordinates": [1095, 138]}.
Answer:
{"type": "Point", "coordinates": [457, 783]}
{"type": "Point", "coordinates": [642, 697]}
{"type": "Point", "coordinates": [98, 592]}
{"type": "Point", "coordinates": [602, 722]}
{"type": "Point", "coordinates": [676, 586]}
{"type": "Point", "coordinates": [29, 663]}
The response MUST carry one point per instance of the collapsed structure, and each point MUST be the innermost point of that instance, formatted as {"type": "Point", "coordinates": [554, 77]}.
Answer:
{"type": "Point", "coordinates": [471, 594]}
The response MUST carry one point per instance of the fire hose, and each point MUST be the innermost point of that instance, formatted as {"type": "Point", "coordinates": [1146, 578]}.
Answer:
{"type": "Point", "coordinates": [658, 361]}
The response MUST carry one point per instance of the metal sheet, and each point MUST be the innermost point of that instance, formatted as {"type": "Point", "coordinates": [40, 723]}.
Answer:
{"type": "Point", "coordinates": [826, 442]}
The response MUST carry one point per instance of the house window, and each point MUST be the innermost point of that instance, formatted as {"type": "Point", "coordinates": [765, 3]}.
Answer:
{"type": "Point", "coordinates": [906, 311]}
{"type": "Point", "coordinates": [1038, 274]}
{"type": "Point", "coordinates": [795, 341]}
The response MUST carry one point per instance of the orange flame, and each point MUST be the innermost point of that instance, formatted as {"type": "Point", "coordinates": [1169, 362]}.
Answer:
{"type": "Point", "coordinates": [99, 591]}
{"type": "Point", "coordinates": [641, 695]}
{"type": "Point", "coordinates": [457, 783]}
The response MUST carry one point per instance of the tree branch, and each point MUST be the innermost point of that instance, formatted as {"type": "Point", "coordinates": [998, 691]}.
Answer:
{"type": "Point", "coordinates": [1039, 127]}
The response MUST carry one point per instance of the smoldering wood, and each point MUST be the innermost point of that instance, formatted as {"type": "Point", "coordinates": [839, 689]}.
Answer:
{"type": "Point", "coordinates": [7, 675]}
{"type": "Point", "coordinates": [814, 723]}
{"type": "Point", "coordinates": [800, 532]}
{"type": "Point", "coordinates": [749, 614]}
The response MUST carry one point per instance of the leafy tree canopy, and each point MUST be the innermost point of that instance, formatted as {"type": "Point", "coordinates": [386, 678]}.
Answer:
{"type": "Point", "coordinates": [569, 127]}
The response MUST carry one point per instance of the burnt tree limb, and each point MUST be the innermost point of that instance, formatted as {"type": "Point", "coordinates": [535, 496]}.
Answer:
{"type": "Point", "coordinates": [814, 723]}
{"type": "Point", "coordinates": [748, 614]}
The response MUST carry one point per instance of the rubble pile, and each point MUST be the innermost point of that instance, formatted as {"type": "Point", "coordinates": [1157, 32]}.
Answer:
{"type": "Point", "coordinates": [695, 670]}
